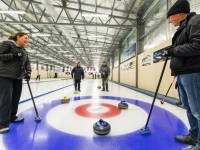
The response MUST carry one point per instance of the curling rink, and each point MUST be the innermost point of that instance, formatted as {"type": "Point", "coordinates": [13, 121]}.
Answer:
{"type": "Point", "coordinates": [70, 126]}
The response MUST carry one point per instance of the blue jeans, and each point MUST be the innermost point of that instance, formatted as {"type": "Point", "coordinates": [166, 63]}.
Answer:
{"type": "Point", "coordinates": [189, 86]}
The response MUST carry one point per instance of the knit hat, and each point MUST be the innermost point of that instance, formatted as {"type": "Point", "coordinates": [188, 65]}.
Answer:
{"type": "Point", "coordinates": [181, 6]}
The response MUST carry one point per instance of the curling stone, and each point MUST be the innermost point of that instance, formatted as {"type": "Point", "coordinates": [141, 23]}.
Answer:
{"type": "Point", "coordinates": [123, 105]}
{"type": "Point", "coordinates": [101, 127]}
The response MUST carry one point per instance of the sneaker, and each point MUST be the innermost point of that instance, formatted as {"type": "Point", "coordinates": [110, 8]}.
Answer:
{"type": "Point", "coordinates": [4, 130]}
{"type": "Point", "coordinates": [79, 90]}
{"type": "Point", "coordinates": [186, 139]}
{"type": "Point", "coordinates": [179, 103]}
{"type": "Point", "coordinates": [191, 147]}
{"type": "Point", "coordinates": [17, 120]}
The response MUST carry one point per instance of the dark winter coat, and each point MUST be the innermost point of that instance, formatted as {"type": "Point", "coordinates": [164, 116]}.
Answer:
{"type": "Point", "coordinates": [186, 47]}
{"type": "Point", "coordinates": [105, 71]}
{"type": "Point", "coordinates": [10, 65]}
{"type": "Point", "coordinates": [77, 73]}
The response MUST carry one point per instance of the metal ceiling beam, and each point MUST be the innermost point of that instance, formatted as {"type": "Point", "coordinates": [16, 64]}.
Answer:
{"type": "Point", "coordinates": [41, 47]}
{"type": "Point", "coordinates": [69, 16]}
{"type": "Point", "coordinates": [64, 40]}
{"type": "Point", "coordinates": [129, 11]}
{"type": "Point", "coordinates": [85, 4]}
{"type": "Point", "coordinates": [66, 24]}
{"type": "Point", "coordinates": [98, 41]}
{"type": "Point", "coordinates": [98, 6]}
{"type": "Point", "coordinates": [85, 11]}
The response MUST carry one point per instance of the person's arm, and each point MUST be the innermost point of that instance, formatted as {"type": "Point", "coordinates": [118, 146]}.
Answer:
{"type": "Point", "coordinates": [72, 72]}
{"type": "Point", "coordinates": [83, 75]}
{"type": "Point", "coordinates": [5, 54]}
{"type": "Point", "coordinates": [27, 75]}
{"type": "Point", "coordinates": [28, 66]}
{"type": "Point", "coordinates": [100, 70]}
{"type": "Point", "coordinates": [5, 51]}
{"type": "Point", "coordinates": [193, 47]}
{"type": "Point", "coordinates": [108, 71]}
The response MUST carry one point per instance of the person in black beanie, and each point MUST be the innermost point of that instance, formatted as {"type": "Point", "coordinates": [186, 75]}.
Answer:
{"type": "Point", "coordinates": [185, 64]}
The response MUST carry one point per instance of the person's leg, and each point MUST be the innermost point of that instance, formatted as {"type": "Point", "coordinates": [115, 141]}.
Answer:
{"type": "Point", "coordinates": [75, 84]}
{"type": "Point", "coordinates": [17, 90]}
{"type": "Point", "coordinates": [6, 90]}
{"type": "Point", "coordinates": [103, 84]}
{"type": "Point", "coordinates": [191, 83]}
{"type": "Point", "coordinates": [192, 136]}
{"type": "Point", "coordinates": [79, 85]}
{"type": "Point", "coordinates": [106, 81]}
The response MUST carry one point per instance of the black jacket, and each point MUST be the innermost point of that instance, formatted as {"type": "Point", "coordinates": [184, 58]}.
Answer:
{"type": "Point", "coordinates": [186, 47]}
{"type": "Point", "coordinates": [11, 66]}
{"type": "Point", "coordinates": [77, 73]}
{"type": "Point", "coordinates": [105, 71]}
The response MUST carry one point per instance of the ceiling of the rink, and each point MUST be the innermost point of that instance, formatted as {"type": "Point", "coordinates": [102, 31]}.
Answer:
{"type": "Point", "coordinates": [67, 31]}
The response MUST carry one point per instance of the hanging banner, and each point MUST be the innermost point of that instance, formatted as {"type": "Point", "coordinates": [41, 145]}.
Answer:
{"type": "Point", "coordinates": [116, 58]}
{"type": "Point", "coordinates": [128, 53]}
{"type": "Point", "coordinates": [146, 60]}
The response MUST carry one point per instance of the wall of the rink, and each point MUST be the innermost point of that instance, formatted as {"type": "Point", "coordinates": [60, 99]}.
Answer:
{"type": "Point", "coordinates": [148, 72]}
{"type": "Point", "coordinates": [115, 74]}
{"type": "Point", "coordinates": [148, 76]}
{"type": "Point", "coordinates": [50, 74]}
{"type": "Point", "coordinates": [128, 72]}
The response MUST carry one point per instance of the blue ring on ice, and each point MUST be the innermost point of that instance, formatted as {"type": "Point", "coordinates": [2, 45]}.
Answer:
{"type": "Point", "coordinates": [40, 136]}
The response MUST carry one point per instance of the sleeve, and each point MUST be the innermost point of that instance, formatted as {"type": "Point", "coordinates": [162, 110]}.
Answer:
{"type": "Point", "coordinates": [5, 54]}
{"type": "Point", "coordinates": [28, 66]}
{"type": "Point", "coordinates": [72, 72]}
{"type": "Point", "coordinates": [108, 71]}
{"type": "Point", "coordinates": [83, 75]}
{"type": "Point", "coordinates": [100, 70]}
{"type": "Point", "coordinates": [193, 47]}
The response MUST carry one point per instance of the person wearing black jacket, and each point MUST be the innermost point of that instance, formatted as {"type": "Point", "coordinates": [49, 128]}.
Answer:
{"type": "Point", "coordinates": [78, 74]}
{"type": "Point", "coordinates": [14, 66]}
{"type": "Point", "coordinates": [185, 64]}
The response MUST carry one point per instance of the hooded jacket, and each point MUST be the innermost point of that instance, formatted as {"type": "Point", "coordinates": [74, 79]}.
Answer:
{"type": "Point", "coordinates": [186, 47]}
{"type": "Point", "coordinates": [11, 66]}
{"type": "Point", "coordinates": [105, 71]}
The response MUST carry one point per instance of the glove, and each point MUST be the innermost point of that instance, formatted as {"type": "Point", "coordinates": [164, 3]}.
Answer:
{"type": "Point", "coordinates": [17, 54]}
{"type": "Point", "coordinates": [167, 51]}
{"type": "Point", "coordinates": [27, 76]}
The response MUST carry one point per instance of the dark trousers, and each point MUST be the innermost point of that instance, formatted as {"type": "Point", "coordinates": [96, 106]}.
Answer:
{"type": "Point", "coordinates": [77, 83]}
{"type": "Point", "coordinates": [10, 92]}
{"type": "Point", "coordinates": [105, 83]}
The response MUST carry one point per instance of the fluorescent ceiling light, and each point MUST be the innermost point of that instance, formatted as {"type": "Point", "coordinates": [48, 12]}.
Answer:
{"type": "Point", "coordinates": [69, 55]}
{"type": "Point", "coordinates": [95, 36]}
{"type": "Point", "coordinates": [55, 45]}
{"type": "Point", "coordinates": [97, 46]}
{"type": "Point", "coordinates": [41, 55]}
{"type": "Point", "coordinates": [63, 51]}
{"type": "Point", "coordinates": [12, 12]}
{"type": "Point", "coordinates": [94, 15]}
{"type": "Point", "coordinates": [40, 35]}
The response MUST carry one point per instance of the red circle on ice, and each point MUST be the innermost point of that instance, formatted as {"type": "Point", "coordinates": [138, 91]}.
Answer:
{"type": "Point", "coordinates": [112, 111]}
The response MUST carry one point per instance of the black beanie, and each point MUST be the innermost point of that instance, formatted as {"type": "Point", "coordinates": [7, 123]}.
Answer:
{"type": "Point", "coordinates": [181, 6]}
